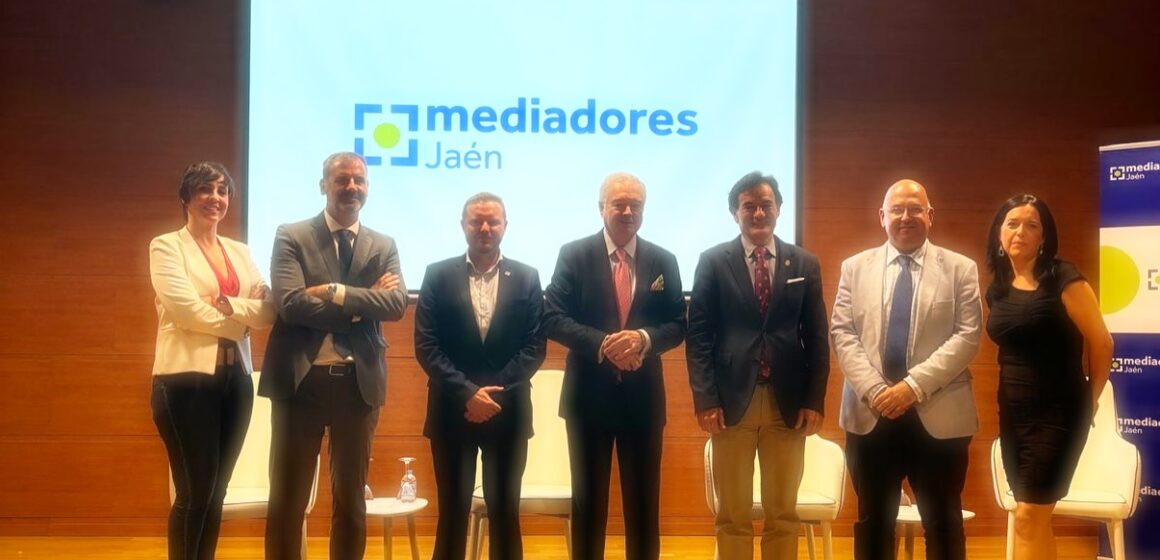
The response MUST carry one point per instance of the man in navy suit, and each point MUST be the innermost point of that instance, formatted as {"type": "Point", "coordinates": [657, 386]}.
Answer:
{"type": "Point", "coordinates": [758, 357]}
{"type": "Point", "coordinates": [477, 335]}
{"type": "Point", "coordinates": [615, 301]}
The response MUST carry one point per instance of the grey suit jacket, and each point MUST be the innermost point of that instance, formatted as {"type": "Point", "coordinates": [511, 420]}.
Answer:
{"type": "Point", "coordinates": [303, 256]}
{"type": "Point", "coordinates": [945, 339]}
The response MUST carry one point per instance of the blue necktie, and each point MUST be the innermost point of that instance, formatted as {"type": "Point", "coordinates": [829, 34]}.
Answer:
{"type": "Point", "coordinates": [345, 256]}
{"type": "Point", "coordinates": [898, 329]}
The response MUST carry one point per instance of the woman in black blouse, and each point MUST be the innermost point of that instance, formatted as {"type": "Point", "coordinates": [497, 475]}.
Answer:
{"type": "Point", "coordinates": [1055, 354]}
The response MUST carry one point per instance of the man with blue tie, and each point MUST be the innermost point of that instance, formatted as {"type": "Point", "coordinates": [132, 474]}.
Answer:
{"type": "Point", "coordinates": [905, 326]}
{"type": "Point", "coordinates": [759, 357]}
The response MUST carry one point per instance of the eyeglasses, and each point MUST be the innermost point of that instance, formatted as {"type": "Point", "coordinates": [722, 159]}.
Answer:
{"type": "Point", "coordinates": [750, 208]}
{"type": "Point", "coordinates": [912, 211]}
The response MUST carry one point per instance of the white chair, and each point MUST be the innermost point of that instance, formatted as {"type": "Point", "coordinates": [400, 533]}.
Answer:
{"type": "Point", "coordinates": [909, 518]}
{"type": "Point", "coordinates": [546, 488]}
{"type": "Point", "coordinates": [1106, 485]}
{"type": "Point", "coordinates": [248, 493]}
{"type": "Point", "coordinates": [820, 494]}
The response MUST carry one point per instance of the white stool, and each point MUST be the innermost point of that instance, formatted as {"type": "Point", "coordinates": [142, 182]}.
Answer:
{"type": "Point", "coordinates": [389, 508]}
{"type": "Point", "coordinates": [908, 517]}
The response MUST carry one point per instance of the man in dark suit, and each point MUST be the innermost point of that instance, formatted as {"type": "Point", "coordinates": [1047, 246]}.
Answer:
{"type": "Point", "coordinates": [333, 280]}
{"type": "Point", "coordinates": [758, 357]}
{"type": "Point", "coordinates": [615, 301]}
{"type": "Point", "coordinates": [477, 336]}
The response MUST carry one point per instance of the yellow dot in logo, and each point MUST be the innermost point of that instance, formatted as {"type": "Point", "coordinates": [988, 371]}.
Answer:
{"type": "Point", "coordinates": [1119, 279]}
{"type": "Point", "coordinates": [387, 135]}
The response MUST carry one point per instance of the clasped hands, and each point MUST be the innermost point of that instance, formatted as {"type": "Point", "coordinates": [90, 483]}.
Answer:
{"type": "Point", "coordinates": [387, 282]}
{"type": "Point", "coordinates": [257, 291]}
{"type": "Point", "coordinates": [894, 400]}
{"type": "Point", "coordinates": [624, 349]}
{"type": "Point", "coordinates": [481, 407]}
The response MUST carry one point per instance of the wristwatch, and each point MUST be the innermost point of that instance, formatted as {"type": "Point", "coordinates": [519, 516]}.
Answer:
{"type": "Point", "coordinates": [331, 289]}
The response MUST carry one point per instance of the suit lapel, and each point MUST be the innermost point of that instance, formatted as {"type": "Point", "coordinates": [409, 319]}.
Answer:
{"type": "Point", "coordinates": [503, 295]}
{"type": "Point", "coordinates": [463, 301]}
{"type": "Point", "coordinates": [928, 282]}
{"type": "Point", "coordinates": [643, 272]}
{"type": "Point", "coordinates": [782, 264]}
{"type": "Point", "coordinates": [204, 279]}
{"type": "Point", "coordinates": [737, 261]}
{"type": "Point", "coordinates": [362, 251]}
{"type": "Point", "coordinates": [602, 271]}
{"type": "Point", "coordinates": [324, 243]}
{"type": "Point", "coordinates": [876, 276]}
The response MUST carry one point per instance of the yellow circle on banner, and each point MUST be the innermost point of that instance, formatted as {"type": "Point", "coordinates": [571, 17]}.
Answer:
{"type": "Point", "coordinates": [1119, 279]}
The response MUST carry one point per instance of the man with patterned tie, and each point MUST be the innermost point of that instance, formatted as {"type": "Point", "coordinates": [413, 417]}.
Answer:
{"type": "Point", "coordinates": [905, 326]}
{"type": "Point", "coordinates": [334, 281]}
{"type": "Point", "coordinates": [758, 356]}
{"type": "Point", "coordinates": [615, 301]}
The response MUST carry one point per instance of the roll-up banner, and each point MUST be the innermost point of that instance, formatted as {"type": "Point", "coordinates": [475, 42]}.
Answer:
{"type": "Point", "coordinates": [1130, 301]}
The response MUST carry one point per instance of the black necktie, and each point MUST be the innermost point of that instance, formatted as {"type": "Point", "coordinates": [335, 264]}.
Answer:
{"type": "Point", "coordinates": [898, 329]}
{"type": "Point", "coordinates": [345, 252]}
{"type": "Point", "coordinates": [345, 256]}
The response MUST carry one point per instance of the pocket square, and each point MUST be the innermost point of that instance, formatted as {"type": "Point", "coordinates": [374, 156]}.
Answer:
{"type": "Point", "coordinates": [658, 285]}
{"type": "Point", "coordinates": [796, 280]}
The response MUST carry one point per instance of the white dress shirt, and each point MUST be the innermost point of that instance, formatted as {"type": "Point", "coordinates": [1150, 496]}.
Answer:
{"type": "Point", "coordinates": [484, 288]}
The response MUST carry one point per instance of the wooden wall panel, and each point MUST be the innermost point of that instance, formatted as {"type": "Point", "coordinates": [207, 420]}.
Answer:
{"type": "Point", "coordinates": [978, 101]}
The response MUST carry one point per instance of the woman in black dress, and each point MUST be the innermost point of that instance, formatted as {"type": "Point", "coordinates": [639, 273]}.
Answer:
{"type": "Point", "coordinates": [1054, 357]}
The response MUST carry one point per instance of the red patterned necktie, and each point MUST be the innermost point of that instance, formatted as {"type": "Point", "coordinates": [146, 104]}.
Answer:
{"type": "Point", "coordinates": [762, 290]}
{"type": "Point", "coordinates": [623, 282]}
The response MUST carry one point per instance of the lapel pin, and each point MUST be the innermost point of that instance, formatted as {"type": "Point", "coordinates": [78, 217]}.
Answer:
{"type": "Point", "coordinates": [507, 273]}
{"type": "Point", "coordinates": [787, 262]}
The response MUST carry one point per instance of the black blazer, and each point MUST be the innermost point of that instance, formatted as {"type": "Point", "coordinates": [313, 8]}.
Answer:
{"type": "Point", "coordinates": [726, 331]}
{"type": "Point", "coordinates": [304, 255]}
{"type": "Point", "coordinates": [458, 362]}
{"type": "Point", "coordinates": [580, 310]}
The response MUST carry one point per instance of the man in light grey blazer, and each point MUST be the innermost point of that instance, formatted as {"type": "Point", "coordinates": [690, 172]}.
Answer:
{"type": "Point", "coordinates": [334, 280]}
{"type": "Point", "coordinates": [905, 326]}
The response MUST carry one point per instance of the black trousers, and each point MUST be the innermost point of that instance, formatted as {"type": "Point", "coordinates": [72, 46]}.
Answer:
{"type": "Point", "coordinates": [638, 450]}
{"type": "Point", "coordinates": [504, 459]}
{"type": "Point", "coordinates": [937, 471]}
{"type": "Point", "coordinates": [203, 421]}
{"type": "Point", "coordinates": [323, 400]}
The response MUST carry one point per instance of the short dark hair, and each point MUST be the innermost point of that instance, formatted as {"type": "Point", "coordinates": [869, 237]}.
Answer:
{"type": "Point", "coordinates": [199, 174]}
{"type": "Point", "coordinates": [1000, 266]}
{"type": "Point", "coordinates": [482, 197]}
{"type": "Point", "coordinates": [748, 182]}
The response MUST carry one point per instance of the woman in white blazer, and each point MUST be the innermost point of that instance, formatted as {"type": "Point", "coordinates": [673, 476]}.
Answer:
{"type": "Point", "coordinates": [209, 296]}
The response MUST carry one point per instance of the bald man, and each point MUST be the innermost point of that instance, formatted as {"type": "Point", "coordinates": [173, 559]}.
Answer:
{"type": "Point", "coordinates": [905, 325]}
